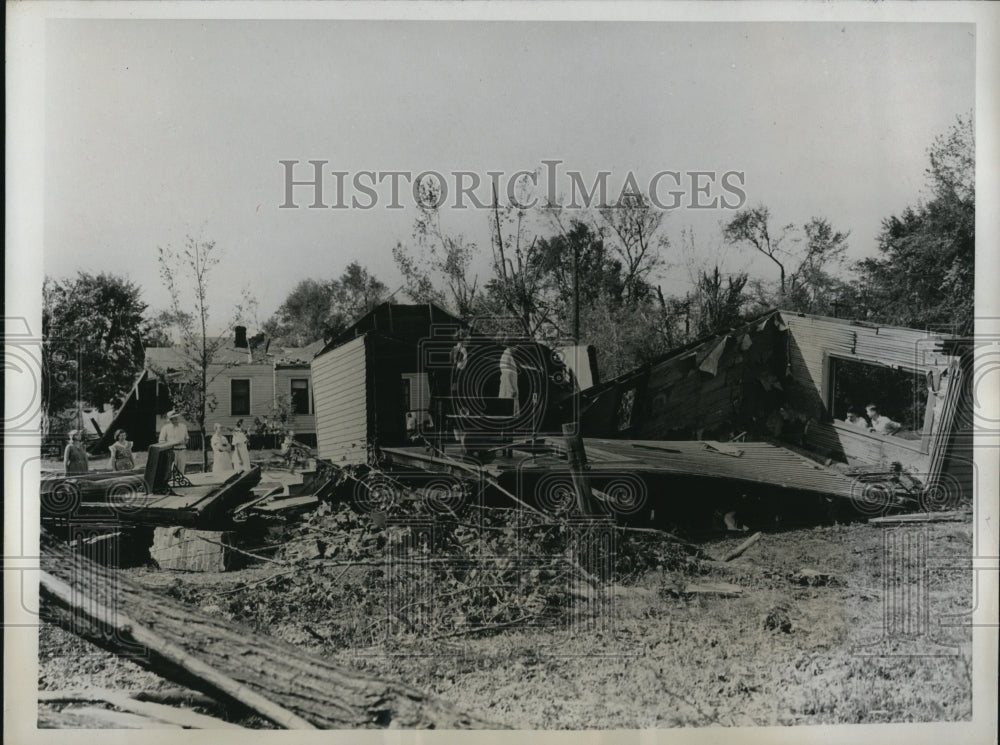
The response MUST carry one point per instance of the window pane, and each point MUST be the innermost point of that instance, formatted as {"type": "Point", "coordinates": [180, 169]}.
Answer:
{"type": "Point", "coordinates": [300, 396]}
{"type": "Point", "coordinates": [240, 397]}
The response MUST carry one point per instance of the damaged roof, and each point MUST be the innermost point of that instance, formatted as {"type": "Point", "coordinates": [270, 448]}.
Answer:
{"type": "Point", "coordinates": [754, 462]}
{"type": "Point", "coordinates": [172, 358]}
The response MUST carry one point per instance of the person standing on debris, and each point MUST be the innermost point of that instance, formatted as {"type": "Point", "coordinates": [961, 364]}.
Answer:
{"type": "Point", "coordinates": [75, 457]}
{"type": "Point", "coordinates": [881, 425]}
{"type": "Point", "coordinates": [121, 453]}
{"type": "Point", "coordinates": [175, 433]}
{"type": "Point", "coordinates": [222, 461]}
{"type": "Point", "coordinates": [459, 357]}
{"type": "Point", "coordinates": [508, 374]}
{"type": "Point", "coordinates": [241, 450]}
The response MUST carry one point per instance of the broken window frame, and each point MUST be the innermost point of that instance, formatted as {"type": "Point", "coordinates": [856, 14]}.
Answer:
{"type": "Point", "coordinates": [829, 393]}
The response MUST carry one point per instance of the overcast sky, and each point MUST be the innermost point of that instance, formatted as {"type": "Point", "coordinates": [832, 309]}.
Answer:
{"type": "Point", "coordinates": [155, 130]}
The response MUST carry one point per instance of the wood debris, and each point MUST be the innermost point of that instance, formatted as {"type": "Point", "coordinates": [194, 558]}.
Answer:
{"type": "Point", "coordinates": [232, 663]}
{"type": "Point", "coordinates": [921, 517]}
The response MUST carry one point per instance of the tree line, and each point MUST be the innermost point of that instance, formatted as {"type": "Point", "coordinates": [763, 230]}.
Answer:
{"type": "Point", "coordinates": [593, 277]}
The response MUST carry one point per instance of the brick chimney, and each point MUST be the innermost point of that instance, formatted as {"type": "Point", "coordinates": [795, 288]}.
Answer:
{"type": "Point", "coordinates": [241, 337]}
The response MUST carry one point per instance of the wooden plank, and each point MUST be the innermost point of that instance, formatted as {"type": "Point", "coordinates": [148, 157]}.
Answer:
{"type": "Point", "coordinates": [723, 589]}
{"type": "Point", "coordinates": [118, 719]}
{"type": "Point", "coordinates": [921, 517]}
{"type": "Point", "coordinates": [291, 503]}
{"type": "Point", "coordinates": [161, 712]}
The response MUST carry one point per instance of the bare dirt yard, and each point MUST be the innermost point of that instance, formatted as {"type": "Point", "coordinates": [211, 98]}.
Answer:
{"type": "Point", "coordinates": [800, 640]}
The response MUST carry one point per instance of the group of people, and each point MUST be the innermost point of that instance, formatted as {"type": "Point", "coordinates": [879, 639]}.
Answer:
{"type": "Point", "coordinates": [230, 456]}
{"type": "Point", "coordinates": [872, 421]}
{"type": "Point", "coordinates": [75, 459]}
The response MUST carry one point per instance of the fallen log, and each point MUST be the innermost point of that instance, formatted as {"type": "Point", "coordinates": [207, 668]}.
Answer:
{"type": "Point", "coordinates": [225, 661]}
{"type": "Point", "coordinates": [738, 551]}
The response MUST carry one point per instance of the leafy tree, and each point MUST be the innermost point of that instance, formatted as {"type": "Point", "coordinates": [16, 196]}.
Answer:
{"type": "Point", "coordinates": [158, 330]}
{"type": "Point", "coordinates": [925, 273]}
{"type": "Point", "coordinates": [320, 309]}
{"type": "Point", "coordinates": [306, 314]}
{"type": "Point", "coordinates": [439, 267]}
{"type": "Point", "coordinates": [359, 291]}
{"type": "Point", "coordinates": [185, 274]}
{"type": "Point", "coordinates": [577, 257]}
{"type": "Point", "coordinates": [620, 313]}
{"type": "Point", "coordinates": [625, 336]}
{"type": "Point", "coordinates": [805, 259]}
{"type": "Point", "coordinates": [93, 330]}
{"type": "Point", "coordinates": [719, 300]}
{"type": "Point", "coordinates": [753, 226]}
{"type": "Point", "coordinates": [812, 288]}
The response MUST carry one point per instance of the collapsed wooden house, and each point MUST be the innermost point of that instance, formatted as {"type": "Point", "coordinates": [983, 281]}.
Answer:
{"type": "Point", "coordinates": [791, 378]}
{"type": "Point", "coordinates": [371, 376]}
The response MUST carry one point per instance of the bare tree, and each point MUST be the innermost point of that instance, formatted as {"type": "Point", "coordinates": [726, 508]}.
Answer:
{"type": "Point", "coordinates": [519, 278]}
{"type": "Point", "coordinates": [633, 229]}
{"type": "Point", "coordinates": [185, 274]}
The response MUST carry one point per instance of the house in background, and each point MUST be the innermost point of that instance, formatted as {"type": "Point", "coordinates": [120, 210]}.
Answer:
{"type": "Point", "coordinates": [792, 377]}
{"type": "Point", "coordinates": [248, 385]}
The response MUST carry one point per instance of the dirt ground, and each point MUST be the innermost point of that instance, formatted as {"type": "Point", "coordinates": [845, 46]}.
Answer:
{"type": "Point", "coordinates": [786, 651]}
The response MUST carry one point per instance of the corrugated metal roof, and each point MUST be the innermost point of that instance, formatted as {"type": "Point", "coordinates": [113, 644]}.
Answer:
{"type": "Point", "coordinates": [756, 462]}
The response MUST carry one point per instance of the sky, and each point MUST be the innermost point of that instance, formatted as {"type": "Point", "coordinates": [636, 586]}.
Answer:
{"type": "Point", "coordinates": [156, 130]}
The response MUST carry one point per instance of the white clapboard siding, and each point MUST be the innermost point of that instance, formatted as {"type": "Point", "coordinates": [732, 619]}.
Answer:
{"type": "Point", "coordinates": [341, 403]}
{"type": "Point", "coordinates": [261, 393]}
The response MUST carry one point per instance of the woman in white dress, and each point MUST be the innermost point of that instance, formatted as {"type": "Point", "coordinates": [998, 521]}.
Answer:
{"type": "Point", "coordinates": [223, 461]}
{"type": "Point", "coordinates": [241, 451]}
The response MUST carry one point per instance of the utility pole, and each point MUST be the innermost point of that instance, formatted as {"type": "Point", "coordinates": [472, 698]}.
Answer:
{"type": "Point", "coordinates": [576, 293]}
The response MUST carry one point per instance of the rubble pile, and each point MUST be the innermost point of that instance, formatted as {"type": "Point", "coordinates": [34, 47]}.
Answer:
{"type": "Point", "coordinates": [354, 579]}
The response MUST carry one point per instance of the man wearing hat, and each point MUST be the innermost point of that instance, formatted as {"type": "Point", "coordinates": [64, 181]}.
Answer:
{"type": "Point", "coordinates": [175, 433]}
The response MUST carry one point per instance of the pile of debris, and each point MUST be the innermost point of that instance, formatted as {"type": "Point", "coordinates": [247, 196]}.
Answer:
{"type": "Point", "coordinates": [349, 579]}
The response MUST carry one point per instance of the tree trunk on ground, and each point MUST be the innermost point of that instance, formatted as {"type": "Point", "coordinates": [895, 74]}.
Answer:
{"type": "Point", "coordinates": [226, 661]}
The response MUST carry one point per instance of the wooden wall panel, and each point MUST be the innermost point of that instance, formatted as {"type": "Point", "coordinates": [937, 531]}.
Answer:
{"type": "Point", "coordinates": [340, 396]}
